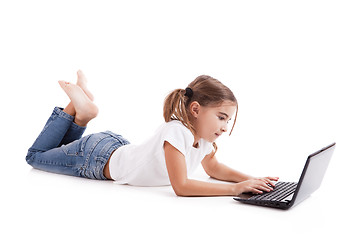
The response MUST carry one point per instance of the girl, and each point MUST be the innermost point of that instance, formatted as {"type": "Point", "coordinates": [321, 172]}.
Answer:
{"type": "Point", "coordinates": [194, 118]}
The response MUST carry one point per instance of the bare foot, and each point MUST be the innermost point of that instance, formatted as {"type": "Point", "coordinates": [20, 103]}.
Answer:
{"type": "Point", "coordinates": [82, 83]}
{"type": "Point", "coordinates": [84, 107]}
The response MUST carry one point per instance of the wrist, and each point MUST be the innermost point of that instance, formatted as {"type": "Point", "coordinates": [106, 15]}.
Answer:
{"type": "Point", "coordinates": [234, 189]}
{"type": "Point", "coordinates": [250, 177]}
{"type": "Point", "coordinates": [245, 177]}
{"type": "Point", "coordinates": [237, 189]}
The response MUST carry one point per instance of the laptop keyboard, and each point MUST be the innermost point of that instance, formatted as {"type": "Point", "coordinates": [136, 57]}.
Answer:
{"type": "Point", "coordinates": [281, 191]}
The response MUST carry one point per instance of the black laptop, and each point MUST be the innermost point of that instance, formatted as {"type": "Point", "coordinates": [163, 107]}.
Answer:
{"type": "Point", "coordinates": [288, 194]}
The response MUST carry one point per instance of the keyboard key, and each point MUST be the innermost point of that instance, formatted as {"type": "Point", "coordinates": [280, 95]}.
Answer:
{"type": "Point", "coordinates": [281, 191]}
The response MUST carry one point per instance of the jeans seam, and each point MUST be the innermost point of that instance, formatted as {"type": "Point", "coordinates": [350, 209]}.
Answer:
{"type": "Point", "coordinates": [47, 162]}
{"type": "Point", "coordinates": [59, 111]}
{"type": "Point", "coordinates": [91, 150]}
{"type": "Point", "coordinates": [106, 157]}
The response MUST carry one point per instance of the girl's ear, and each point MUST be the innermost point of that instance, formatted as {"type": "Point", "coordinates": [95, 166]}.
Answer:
{"type": "Point", "coordinates": [195, 108]}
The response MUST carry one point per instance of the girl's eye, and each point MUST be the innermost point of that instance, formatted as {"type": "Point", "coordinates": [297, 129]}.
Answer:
{"type": "Point", "coordinates": [221, 118]}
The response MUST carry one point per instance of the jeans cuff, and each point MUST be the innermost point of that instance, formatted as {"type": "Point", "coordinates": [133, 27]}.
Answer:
{"type": "Point", "coordinates": [59, 111]}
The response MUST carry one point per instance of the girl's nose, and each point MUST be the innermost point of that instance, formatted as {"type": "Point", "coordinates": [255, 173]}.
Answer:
{"type": "Point", "coordinates": [224, 128]}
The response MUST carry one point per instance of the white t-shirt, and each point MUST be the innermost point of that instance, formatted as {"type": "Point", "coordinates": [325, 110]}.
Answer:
{"type": "Point", "coordinates": [144, 164]}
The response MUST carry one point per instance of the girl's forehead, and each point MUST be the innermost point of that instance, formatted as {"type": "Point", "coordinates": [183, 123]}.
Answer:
{"type": "Point", "coordinates": [226, 104]}
{"type": "Point", "coordinates": [227, 107]}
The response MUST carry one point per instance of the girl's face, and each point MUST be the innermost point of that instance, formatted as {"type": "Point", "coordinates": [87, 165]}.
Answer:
{"type": "Point", "coordinates": [211, 122]}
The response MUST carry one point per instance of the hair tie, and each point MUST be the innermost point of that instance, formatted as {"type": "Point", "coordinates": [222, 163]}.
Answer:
{"type": "Point", "coordinates": [189, 92]}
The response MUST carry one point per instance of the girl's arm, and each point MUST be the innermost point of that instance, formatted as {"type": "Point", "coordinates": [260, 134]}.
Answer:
{"type": "Point", "coordinates": [176, 167]}
{"type": "Point", "coordinates": [222, 172]}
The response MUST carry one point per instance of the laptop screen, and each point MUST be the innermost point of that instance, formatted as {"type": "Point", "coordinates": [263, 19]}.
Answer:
{"type": "Point", "coordinates": [313, 173]}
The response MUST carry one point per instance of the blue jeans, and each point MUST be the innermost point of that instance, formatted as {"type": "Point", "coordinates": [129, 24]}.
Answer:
{"type": "Point", "coordinates": [60, 148]}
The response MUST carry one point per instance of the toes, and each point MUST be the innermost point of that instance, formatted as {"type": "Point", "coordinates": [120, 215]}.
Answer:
{"type": "Point", "coordinates": [81, 76]}
{"type": "Point", "coordinates": [82, 83]}
{"type": "Point", "coordinates": [63, 84]}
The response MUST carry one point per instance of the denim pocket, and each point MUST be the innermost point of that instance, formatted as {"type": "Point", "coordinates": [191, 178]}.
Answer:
{"type": "Point", "coordinates": [77, 147]}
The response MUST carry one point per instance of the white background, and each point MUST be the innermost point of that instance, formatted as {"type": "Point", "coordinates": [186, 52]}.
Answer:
{"type": "Point", "coordinates": [293, 66]}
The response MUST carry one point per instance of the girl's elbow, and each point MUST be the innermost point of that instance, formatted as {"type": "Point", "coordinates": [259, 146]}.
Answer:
{"type": "Point", "coordinates": [209, 172]}
{"type": "Point", "coordinates": [179, 189]}
{"type": "Point", "coordinates": [179, 194]}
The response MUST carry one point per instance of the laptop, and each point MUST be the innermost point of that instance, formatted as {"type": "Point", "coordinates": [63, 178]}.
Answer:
{"type": "Point", "coordinates": [288, 194]}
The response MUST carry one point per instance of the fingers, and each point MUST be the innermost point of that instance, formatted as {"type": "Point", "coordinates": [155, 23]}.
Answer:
{"type": "Point", "coordinates": [273, 178]}
{"type": "Point", "coordinates": [267, 183]}
{"type": "Point", "coordinates": [260, 186]}
{"type": "Point", "coordinates": [268, 180]}
{"type": "Point", "coordinates": [265, 187]}
{"type": "Point", "coordinates": [255, 191]}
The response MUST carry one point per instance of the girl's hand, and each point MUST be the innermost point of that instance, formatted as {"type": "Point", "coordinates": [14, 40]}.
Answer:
{"type": "Point", "coordinates": [255, 185]}
{"type": "Point", "coordinates": [268, 180]}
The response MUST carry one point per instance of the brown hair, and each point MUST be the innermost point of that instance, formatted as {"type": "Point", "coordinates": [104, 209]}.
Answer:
{"type": "Point", "coordinates": [207, 91]}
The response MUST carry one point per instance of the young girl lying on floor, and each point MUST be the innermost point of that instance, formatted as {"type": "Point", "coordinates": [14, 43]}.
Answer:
{"type": "Point", "coordinates": [194, 118]}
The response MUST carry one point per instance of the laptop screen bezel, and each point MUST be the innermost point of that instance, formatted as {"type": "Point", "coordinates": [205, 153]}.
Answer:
{"type": "Point", "coordinates": [293, 200]}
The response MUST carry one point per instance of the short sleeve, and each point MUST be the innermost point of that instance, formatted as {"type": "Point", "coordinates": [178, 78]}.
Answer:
{"type": "Point", "coordinates": [178, 136]}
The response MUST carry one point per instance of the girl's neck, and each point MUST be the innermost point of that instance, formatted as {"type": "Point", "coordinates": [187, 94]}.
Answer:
{"type": "Point", "coordinates": [196, 142]}
{"type": "Point", "coordinates": [196, 137]}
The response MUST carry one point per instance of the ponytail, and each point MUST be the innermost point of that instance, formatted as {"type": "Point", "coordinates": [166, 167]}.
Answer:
{"type": "Point", "coordinates": [174, 108]}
